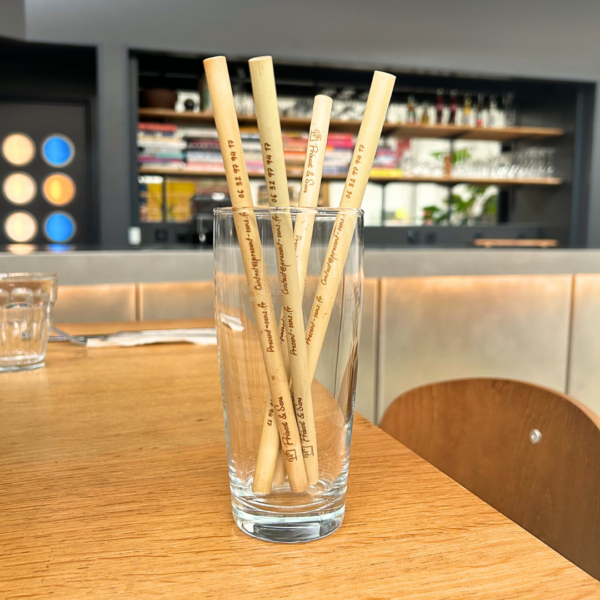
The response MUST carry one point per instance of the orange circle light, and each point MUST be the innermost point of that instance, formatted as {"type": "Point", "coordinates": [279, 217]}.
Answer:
{"type": "Point", "coordinates": [59, 189]}
{"type": "Point", "coordinates": [19, 188]}
{"type": "Point", "coordinates": [20, 227]}
{"type": "Point", "coordinates": [18, 149]}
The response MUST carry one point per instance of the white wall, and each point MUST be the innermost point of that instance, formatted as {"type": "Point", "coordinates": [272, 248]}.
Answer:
{"type": "Point", "coordinates": [555, 38]}
{"type": "Point", "coordinates": [12, 18]}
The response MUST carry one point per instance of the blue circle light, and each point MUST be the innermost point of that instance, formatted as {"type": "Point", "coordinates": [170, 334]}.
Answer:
{"type": "Point", "coordinates": [58, 150]}
{"type": "Point", "coordinates": [60, 227]}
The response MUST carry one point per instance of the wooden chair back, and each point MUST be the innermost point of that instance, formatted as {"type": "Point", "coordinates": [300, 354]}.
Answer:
{"type": "Point", "coordinates": [530, 452]}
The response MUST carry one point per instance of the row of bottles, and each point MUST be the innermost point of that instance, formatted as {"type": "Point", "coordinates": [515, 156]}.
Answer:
{"type": "Point", "coordinates": [479, 111]}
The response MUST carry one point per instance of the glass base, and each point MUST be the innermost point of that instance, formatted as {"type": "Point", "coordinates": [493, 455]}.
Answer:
{"type": "Point", "coordinates": [288, 529]}
{"type": "Point", "coordinates": [13, 368]}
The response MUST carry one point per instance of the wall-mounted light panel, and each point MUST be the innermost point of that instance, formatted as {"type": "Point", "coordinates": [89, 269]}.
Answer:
{"type": "Point", "coordinates": [45, 192]}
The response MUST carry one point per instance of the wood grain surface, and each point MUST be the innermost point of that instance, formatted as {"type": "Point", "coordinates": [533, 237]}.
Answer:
{"type": "Point", "coordinates": [477, 431]}
{"type": "Point", "coordinates": [114, 484]}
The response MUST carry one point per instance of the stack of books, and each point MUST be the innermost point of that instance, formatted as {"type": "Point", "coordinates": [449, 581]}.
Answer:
{"type": "Point", "coordinates": [160, 145]}
{"type": "Point", "coordinates": [252, 151]}
{"type": "Point", "coordinates": [197, 149]}
{"type": "Point", "coordinates": [203, 152]}
{"type": "Point", "coordinates": [294, 152]}
{"type": "Point", "coordinates": [338, 154]}
{"type": "Point", "coordinates": [387, 159]}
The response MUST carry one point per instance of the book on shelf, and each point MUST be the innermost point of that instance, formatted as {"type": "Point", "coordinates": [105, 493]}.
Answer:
{"type": "Point", "coordinates": [199, 156]}
{"type": "Point", "coordinates": [160, 166]}
{"type": "Point", "coordinates": [212, 167]}
{"type": "Point", "coordinates": [391, 173]}
{"type": "Point", "coordinates": [144, 142]}
{"type": "Point", "coordinates": [158, 128]}
{"type": "Point", "coordinates": [202, 144]}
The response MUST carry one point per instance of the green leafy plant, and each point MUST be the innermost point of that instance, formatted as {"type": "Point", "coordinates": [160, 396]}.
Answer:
{"type": "Point", "coordinates": [477, 204]}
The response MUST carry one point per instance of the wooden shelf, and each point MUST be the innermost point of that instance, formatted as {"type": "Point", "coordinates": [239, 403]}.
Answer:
{"type": "Point", "coordinates": [502, 134]}
{"type": "Point", "coordinates": [462, 132]}
{"type": "Point", "coordinates": [550, 181]}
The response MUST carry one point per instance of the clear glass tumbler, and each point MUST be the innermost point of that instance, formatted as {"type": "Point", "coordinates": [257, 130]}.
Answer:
{"type": "Point", "coordinates": [282, 515]}
{"type": "Point", "coordinates": [26, 307]}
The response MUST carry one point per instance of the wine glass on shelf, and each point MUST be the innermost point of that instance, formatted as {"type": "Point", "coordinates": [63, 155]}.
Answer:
{"type": "Point", "coordinates": [502, 165]}
{"type": "Point", "coordinates": [523, 170]}
{"type": "Point", "coordinates": [541, 163]}
{"type": "Point", "coordinates": [407, 163]}
{"type": "Point", "coordinates": [513, 171]}
{"type": "Point", "coordinates": [549, 164]}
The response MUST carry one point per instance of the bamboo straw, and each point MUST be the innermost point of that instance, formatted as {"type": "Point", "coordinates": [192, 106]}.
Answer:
{"type": "Point", "coordinates": [279, 474]}
{"type": "Point", "coordinates": [311, 182]}
{"type": "Point", "coordinates": [309, 197]}
{"type": "Point", "coordinates": [269, 128]}
{"type": "Point", "coordinates": [281, 410]}
{"type": "Point", "coordinates": [343, 231]}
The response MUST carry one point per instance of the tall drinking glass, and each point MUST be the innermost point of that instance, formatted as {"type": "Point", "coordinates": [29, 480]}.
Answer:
{"type": "Point", "coordinates": [282, 515]}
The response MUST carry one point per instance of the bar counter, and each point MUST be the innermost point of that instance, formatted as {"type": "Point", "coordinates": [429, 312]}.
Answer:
{"type": "Point", "coordinates": [140, 266]}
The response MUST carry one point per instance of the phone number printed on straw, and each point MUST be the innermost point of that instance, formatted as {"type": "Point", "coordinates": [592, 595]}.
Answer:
{"type": "Point", "coordinates": [355, 169]}
{"type": "Point", "coordinates": [235, 167]}
{"type": "Point", "coordinates": [270, 173]}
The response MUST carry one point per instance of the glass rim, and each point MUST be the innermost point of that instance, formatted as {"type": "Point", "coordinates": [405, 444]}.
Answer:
{"type": "Point", "coordinates": [264, 210]}
{"type": "Point", "coordinates": [10, 277]}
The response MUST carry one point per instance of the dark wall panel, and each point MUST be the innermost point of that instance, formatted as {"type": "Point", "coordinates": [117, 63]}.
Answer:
{"type": "Point", "coordinates": [39, 121]}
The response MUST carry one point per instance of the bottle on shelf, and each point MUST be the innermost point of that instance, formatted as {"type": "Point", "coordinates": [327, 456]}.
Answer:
{"type": "Point", "coordinates": [393, 113]}
{"type": "Point", "coordinates": [493, 120]}
{"type": "Point", "coordinates": [453, 107]}
{"type": "Point", "coordinates": [411, 116]}
{"type": "Point", "coordinates": [425, 113]}
{"type": "Point", "coordinates": [508, 109]}
{"type": "Point", "coordinates": [467, 110]}
{"type": "Point", "coordinates": [448, 164]}
{"type": "Point", "coordinates": [439, 111]}
{"type": "Point", "coordinates": [205, 103]}
{"type": "Point", "coordinates": [479, 111]}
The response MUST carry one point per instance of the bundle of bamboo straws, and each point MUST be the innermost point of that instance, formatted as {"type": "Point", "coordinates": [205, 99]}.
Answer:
{"type": "Point", "coordinates": [288, 443]}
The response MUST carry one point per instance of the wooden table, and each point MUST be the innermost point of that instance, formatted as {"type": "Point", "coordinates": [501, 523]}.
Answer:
{"type": "Point", "coordinates": [113, 484]}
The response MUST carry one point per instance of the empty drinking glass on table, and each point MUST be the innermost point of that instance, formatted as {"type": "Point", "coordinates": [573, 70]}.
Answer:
{"type": "Point", "coordinates": [26, 308]}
